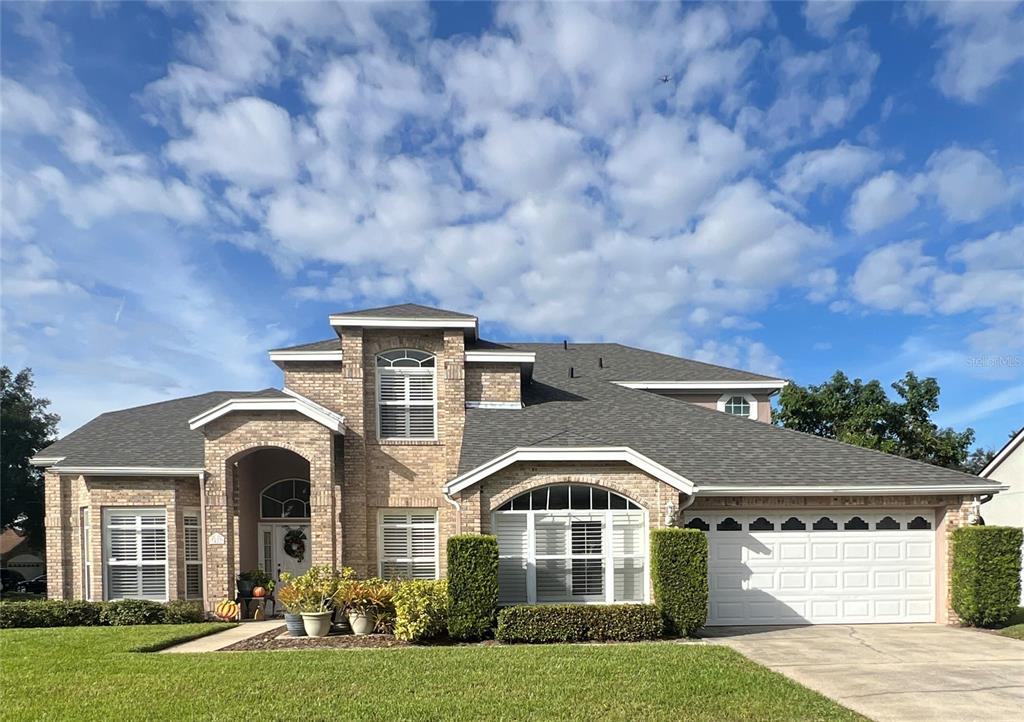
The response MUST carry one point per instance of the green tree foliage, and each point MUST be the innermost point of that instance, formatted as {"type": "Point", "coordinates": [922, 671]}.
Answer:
{"type": "Point", "coordinates": [862, 414]}
{"type": "Point", "coordinates": [25, 428]}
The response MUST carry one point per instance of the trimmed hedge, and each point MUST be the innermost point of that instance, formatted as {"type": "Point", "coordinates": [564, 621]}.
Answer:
{"type": "Point", "coordinates": [986, 574]}
{"type": "Point", "coordinates": [579, 623]}
{"type": "Point", "coordinates": [78, 613]}
{"type": "Point", "coordinates": [472, 585]}
{"type": "Point", "coordinates": [679, 572]}
{"type": "Point", "coordinates": [421, 609]}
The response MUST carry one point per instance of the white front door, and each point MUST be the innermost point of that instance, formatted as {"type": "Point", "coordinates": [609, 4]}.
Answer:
{"type": "Point", "coordinates": [830, 566]}
{"type": "Point", "coordinates": [285, 547]}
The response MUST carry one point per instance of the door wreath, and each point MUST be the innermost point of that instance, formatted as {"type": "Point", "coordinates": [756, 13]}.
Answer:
{"type": "Point", "coordinates": [295, 544]}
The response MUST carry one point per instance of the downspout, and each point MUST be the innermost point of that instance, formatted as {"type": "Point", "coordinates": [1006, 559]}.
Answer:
{"type": "Point", "coordinates": [458, 509]}
{"type": "Point", "coordinates": [202, 524]}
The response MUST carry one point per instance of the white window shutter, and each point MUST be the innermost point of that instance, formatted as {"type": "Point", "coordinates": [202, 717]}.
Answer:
{"type": "Point", "coordinates": [408, 544]}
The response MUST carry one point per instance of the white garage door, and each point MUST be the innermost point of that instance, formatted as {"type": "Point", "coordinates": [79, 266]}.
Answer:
{"type": "Point", "coordinates": [819, 567]}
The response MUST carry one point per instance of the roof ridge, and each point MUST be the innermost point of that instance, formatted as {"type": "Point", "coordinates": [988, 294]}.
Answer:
{"type": "Point", "coordinates": [183, 398]}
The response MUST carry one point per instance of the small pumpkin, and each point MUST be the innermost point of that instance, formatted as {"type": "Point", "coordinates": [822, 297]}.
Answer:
{"type": "Point", "coordinates": [259, 592]}
{"type": "Point", "coordinates": [226, 610]}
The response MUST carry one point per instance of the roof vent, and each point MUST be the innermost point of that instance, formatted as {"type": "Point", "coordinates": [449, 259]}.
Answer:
{"type": "Point", "coordinates": [572, 372]}
{"type": "Point", "coordinates": [600, 362]}
{"type": "Point", "coordinates": [565, 344]}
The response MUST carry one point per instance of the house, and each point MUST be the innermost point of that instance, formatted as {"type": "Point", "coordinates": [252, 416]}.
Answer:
{"type": "Point", "coordinates": [406, 427]}
{"type": "Point", "coordinates": [19, 554]}
{"type": "Point", "coordinates": [1007, 467]}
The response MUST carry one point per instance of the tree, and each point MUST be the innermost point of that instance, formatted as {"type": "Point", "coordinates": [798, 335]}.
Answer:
{"type": "Point", "coordinates": [863, 414]}
{"type": "Point", "coordinates": [25, 428]}
{"type": "Point", "coordinates": [980, 457]}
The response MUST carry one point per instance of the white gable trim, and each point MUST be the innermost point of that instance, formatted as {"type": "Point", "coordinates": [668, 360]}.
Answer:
{"type": "Point", "coordinates": [501, 357]}
{"type": "Point", "coordinates": [297, 403]}
{"type": "Point", "coordinates": [278, 356]}
{"type": "Point", "coordinates": [46, 460]}
{"type": "Point", "coordinates": [493, 405]}
{"type": "Point", "coordinates": [390, 322]}
{"type": "Point", "coordinates": [570, 453]}
{"type": "Point", "coordinates": [130, 470]}
{"type": "Point", "coordinates": [774, 384]}
{"type": "Point", "coordinates": [1004, 452]}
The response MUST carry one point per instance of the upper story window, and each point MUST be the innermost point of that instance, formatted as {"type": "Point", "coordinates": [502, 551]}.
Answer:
{"type": "Point", "coordinates": [406, 395]}
{"type": "Point", "coordinates": [736, 404]}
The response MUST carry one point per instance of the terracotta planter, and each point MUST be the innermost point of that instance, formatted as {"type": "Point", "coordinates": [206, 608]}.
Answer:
{"type": "Point", "coordinates": [295, 625]}
{"type": "Point", "coordinates": [317, 624]}
{"type": "Point", "coordinates": [362, 622]}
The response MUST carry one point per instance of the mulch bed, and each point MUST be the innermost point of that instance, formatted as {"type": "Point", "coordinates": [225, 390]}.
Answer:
{"type": "Point", "coordinates": [279, 639]}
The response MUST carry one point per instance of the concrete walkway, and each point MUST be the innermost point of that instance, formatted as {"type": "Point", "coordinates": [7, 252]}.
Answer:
{"type": "Point", "coordinates": [213, 642]}
{"type": "Point", "coordinates": [894, 671]}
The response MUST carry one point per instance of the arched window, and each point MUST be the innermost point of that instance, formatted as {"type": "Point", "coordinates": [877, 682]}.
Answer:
{"type": "Point", "coordinates": [887, 523]}
{"type": "Point", "coordinates": [728, 524]}
{"type": "Point", "coordinates": [406, 395]}
{"type": "Point", "coordinates": [571, 543]}
{"type": "Point", "coordinates": [761, 524]}
{"type": "Point", "coordinates": [738, 404]}
{"type": "Point", "coordinates": [919, 522]}
{"type": "Point", "coordinates": [824, 524]}
{"type": "Point", "coordinates": [285, 499]}
{"type": "Point", "coordinates": [697, 523]}
{"type": "Point", "coordinates": [793, 524]}
{"type": "Point", "coordinates": [855, 524]}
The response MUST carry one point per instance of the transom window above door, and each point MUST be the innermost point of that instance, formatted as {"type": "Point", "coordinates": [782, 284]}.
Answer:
{"type": "Point", "coordinates": [406, 395]}
{"type": "Point", "coordinates": [285, 499]}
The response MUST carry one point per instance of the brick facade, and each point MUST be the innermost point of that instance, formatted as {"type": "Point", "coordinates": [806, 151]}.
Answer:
{"type": "Point", "coordinates": [493, 382]}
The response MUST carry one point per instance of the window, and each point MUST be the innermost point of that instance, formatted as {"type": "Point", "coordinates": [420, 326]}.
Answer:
{"type": "Point", "coordinates": [919, 522]}
{"type": "Point", "coordinates": [728, 524]}
{"type": "Point", "coordinates": [824, 524]}
{"type": "Point", "coordinates": [697, 523]}
{"type": "Point", "coordinates": [135, 553]}
{"type": "Point", "coordinates": [571, 543]}
{"type": "Point", "coordinates": [192, 533]}
{"type": "Point", "coordinates": [855, 524]}
{"type": "Point", "coordinates": [406, 395]}
{"type": "Point", "coordinates": [407, 544]}
{"type": "Point", "coordinates": [740, 404]}
{"type": "Point", "coordinates": [84, 520]}
{"type": "Point", "coordinates": [887, 523]}
{"type": "Point", "coordinates": [793, 524]}
{"type": "Point", "coordinates": [761, 524]}
{"type": "Point", "coordinates": [285, 499]}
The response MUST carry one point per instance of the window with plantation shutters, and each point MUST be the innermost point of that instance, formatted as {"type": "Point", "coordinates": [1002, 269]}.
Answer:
{"type": "Point", "coordinates": [571, 543]}
{"type": "Point", "coordinates": [407, 543]}
{"type": "Point", "coordinates": [192, 533]}
{"type": "Point", "coordinates": [135, 553]}
{"type": "Point", "coordinates": [406, 395]}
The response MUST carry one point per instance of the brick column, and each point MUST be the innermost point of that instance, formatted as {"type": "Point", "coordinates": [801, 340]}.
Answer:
{"type": "Point", "coordinates": [354, 552]}
{"type": "Point", "coordinates": [321, 506]}
{"type": "Point", "coordinates": [57, 537]}
{"type": "Point", "coordinates": [220, 558]}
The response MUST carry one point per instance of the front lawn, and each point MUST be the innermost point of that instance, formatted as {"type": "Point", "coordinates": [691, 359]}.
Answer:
{"type": "Point", "coordinates": [93, 673]}
{"type": "Point", "coordinates": [1015, 627]}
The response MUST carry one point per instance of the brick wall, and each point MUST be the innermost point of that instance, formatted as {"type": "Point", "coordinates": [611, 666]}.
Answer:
{"type": "Point", "coordinates": [493, 382]}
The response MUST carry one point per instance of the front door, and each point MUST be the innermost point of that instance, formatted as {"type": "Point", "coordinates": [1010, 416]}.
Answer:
{"type": "Point", "coordinates": [285, 548]}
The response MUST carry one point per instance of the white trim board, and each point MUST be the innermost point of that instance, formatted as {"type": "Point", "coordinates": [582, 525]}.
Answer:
{"type": "Point", "coordinates": [130, 470]}
{"type": "Point", "coordinates": [494, 405]}
{"type": "Point", "coordinates": [775, 384]}
{"type": "Point", "coordinates": [570, 453]}
{"type": "Point", "coordinates": [501, 357]}
{"type": "Point", "coordinates": [1004, 452]}
{"type": "Point", "coordinates": [297, 403]}
{"type": "Point", "coordinates": [46, 460]}
{"type": "Point", "coordinates": [852, 490]}
{"type": "Point", "coordinates": [280, 356]}
{"type": "Point", "coordinates": [342, 321]}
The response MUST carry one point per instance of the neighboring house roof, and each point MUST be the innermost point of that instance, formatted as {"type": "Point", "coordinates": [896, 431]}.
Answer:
{"type": "Point", "coordinates": [1003, 454]}
{"type": "Point", "coordinates": [715, 451]}
{"type": "Point", "coordinates": [154, 435]}
{"type": "Point", "coordinates": [11, 543]}
{"type": "Point", "coordinates": [412, 311]}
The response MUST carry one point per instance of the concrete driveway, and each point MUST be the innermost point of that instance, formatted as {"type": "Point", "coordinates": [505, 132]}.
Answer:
{"type": "Point", "coordinates": [894, 671]}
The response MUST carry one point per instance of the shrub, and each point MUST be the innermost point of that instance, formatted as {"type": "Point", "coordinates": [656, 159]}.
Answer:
{"type": "Point", "coordinates": [472, 585]}
{"type": "Point", "coordinates": [579, 623]}
{"type": "Point", "coordinates": [50, 613]}
{"type": "Point", "coordinates": [421, 610]}
{"type": "Point", "coordinates": [133, 611]}
{"type": "Point", "coordinates": [679, 572]}
{"type": "Point", "coordinates": [986, 574]}
{"type": "Point", "coordinates": [181, 611]}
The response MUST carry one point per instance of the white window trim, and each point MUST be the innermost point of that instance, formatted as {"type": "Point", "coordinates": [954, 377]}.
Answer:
{"type": "Point", "coordinates": [607, 557]}
{"type": "Point", "coordinates": [724, 399]}
{"type": "Point", "coordinates": [408, 371]}
{"type": "Point", "coordinates": [195, 513]}
{"type": "Point", "coordinates": [85, 521]}
{"type": "Point", "coordinates": [381, 559]}
{"type": "Point", "coordinates": [138, 510]}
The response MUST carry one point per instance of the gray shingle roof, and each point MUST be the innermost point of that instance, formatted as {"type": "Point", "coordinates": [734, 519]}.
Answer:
{"type": "Point", "coordinates": [151, 435]}
{"type": "Point", "coordinates": [328, 344]}
{"type": "Point", "coordinates": [706, 446]}
{"type": "Point", "coordinates": [406, 310]}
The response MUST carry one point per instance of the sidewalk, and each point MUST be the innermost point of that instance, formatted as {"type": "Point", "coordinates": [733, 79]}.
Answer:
{"type": "Point", "coordinates": [213, 642]}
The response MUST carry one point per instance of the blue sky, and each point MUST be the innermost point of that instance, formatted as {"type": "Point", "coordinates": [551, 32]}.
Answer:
{"type": "Point", "coordinates": [818, 186]}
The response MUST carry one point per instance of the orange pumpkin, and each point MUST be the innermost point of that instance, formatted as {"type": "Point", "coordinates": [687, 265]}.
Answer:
{"type": "Point", "coordinates": [259, 592]}
{"type": "Point", "coordinates": [226, 610]}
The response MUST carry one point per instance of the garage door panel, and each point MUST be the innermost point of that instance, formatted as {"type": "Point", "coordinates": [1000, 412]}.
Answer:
{"type": "Point", "coordinates": [828, 567]}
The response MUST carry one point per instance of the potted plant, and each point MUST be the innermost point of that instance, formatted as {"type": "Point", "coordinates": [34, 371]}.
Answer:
{"type": "Point", "coordinates": [363, 600]}
{"type": "Point", "coordinates": [251, 580]}
{"type": "Point", "coordinates": [315, 592]}
{"type": "Point", "coordinates": [290, 597]}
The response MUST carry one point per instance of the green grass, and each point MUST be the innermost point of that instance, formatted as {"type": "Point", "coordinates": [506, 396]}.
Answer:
{"type": "Point", "coordinates": [1015, 627]}
{"type": "Point", "coordinates": [94, 673]}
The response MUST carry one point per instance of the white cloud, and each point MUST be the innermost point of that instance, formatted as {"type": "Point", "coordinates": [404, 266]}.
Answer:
{"type": "Point", "coordinates": [23, 111]}
{"type": "Point", "coordinates": [836, 167]}
{"type": "Point", "coordinates": [248, 141]}
{"type": "Point", "coordinates": [982, 42]}
{"type": "Point", "coordinates": [966, 183]}
{"type": "Point", "coordinates": [743, 353]}
{"type": "Point", "coordinates": [824, 17]}
{"type": "Point", "coordinates": [894, 278]}
{"type": "Point", "coordinates": [880, 201]}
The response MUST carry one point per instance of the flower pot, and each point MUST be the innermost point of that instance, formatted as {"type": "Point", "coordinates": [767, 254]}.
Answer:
{"type": "Point", "coordinates": [362, 622]}
{"type": "Point", "coordinates": [294, 624]}
{"type": "Point", "coordinates": [317, 624]}
{"type": "Point", "coordinates": [245, 588]}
